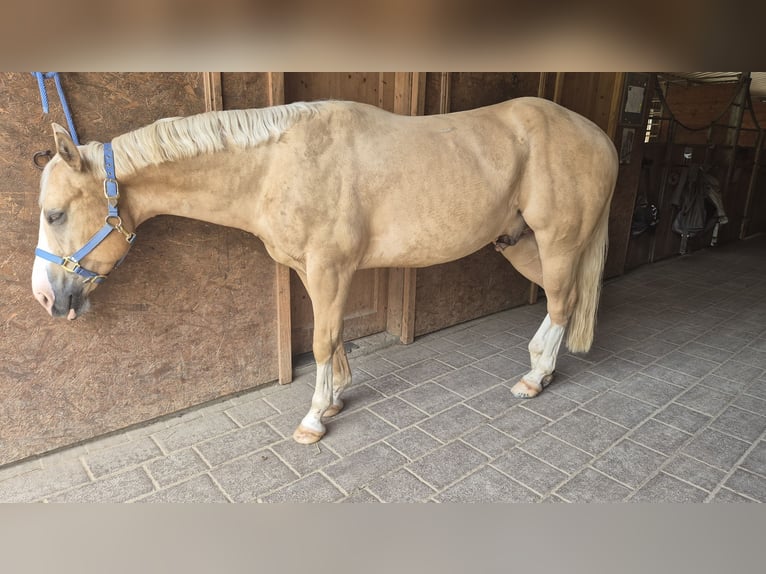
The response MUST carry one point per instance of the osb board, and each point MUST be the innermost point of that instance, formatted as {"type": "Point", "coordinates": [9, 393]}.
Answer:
{"type": "Point", "coordinates": [474, 286]}
{"type": "Point", "coordinates": [244, 90]}
{"type": "Point", "coordinates": [189, 316]}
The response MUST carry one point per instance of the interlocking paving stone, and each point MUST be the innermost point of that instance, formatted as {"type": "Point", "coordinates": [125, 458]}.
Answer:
{"type": "Point", "coordinates": [358, 396]}
{"type": "Point", "coordinates": [406, 355]}
{"type": "Point", "coordinates": [361, 496]}
{"type": "Point", "coordinates": [455, 359]}
{"type": "Point", "coordinates": [648, 389]}
{"type": "Point", "coordinates": [361, 468]}
{"type": "Point", "coordinates": [750, 403]}
{"type": "Point", "coordinates": [615, 368]}
{"type": "Point", "coordinates": [389, 385]}
{"type": "Point", "coordinates": [571, 390]}
{"type": "Point", "coordinates": [430, 397]}
{"type": "Point", "coordinates": [117, 488]}
{"type": "Point", "coordinates": [373, 364]}
{"type": "Point", "coordinates": [530, 471]}
{"type": "Point", "coordinates": [196, 430]}
{"type": "Point", "coordinates": [659, 436]}
{"type": "Point", "coordinates": [400, 486]}
{"type": "Point", "coordinates": [489, 440]}
{"type": "Point", "coordinates": [413, 442]}
{"type": "Point", "coordinates": [251, 412]}
{"type": "Point", "coordinates": [752, 357]}
{"type": "Point", "coordinates": [296, 395]}
{"type": "Point", "coordinates": [175, 467]}
{"type": "Point", "coordinates": [468, 381]}
{"type": "Point", "coordinates": [452, 423]}
{"type": "Point", "coordinates": [396, 412]}
{"type": "Point", "coordinates": [356, 430]}
{"type": "Point", "coordinates": [312, 488]}
{"type": "Point", "coordinates": [669, 375]}
{"type": "Point", "coordinates": [493, 402]}
{"type": "Point", "coordinates": [423, 371]}
{"type": "Point", "coordinates": [687, 364]}
{"type": "Point", "coordinates": [447, 464]}
{"type": "Point", "coordinates": [747, 483]}
{"type": "Point", "coordinates": [519, 423]}
{"type": "Point", "coordinates": [241, 441]}
{"type": "Point", "coordinates": [37, 483]}
{"type": "Point", "coordinates": [740, 423]}
{"type": "Point", "coordinates": [200, 489]}
{"type": "Point", "coordinates": [704, 399]}
{"type": "Point", "coordinates": [304, 458]}
{"type": "Point", "coordinates": [694, 471]}
{"type": "Point", "coordinates": [665, 488]}
{"type": "Point", "coordinates": [628, 462]}
{"type": "Point", "coordinates": [682, 418]}
{"type": "Point", "coordinates": [591, 486]}
{"type": "Point", "coordinates": [244, 479]}
{"type": "Point", "coordinates": [721, 385]}
{"type": "Point", "coordinates": [487, 485]}
{"type": "Point", "coordinates": [727, 496]}
{"type": "Point", "coordinates": [594, 382]}
{"type": "Point", "coordinates": [556, 452]}
{"type": "Point", "coordinates": [586, 431]}
{"type": "Point", "coordinates": [738, 371]}
{"type": "Point", "coordinates": [755, 460]}
{"type": "Point", "coordinates": [716, 449]}
{"type": "Point", "coordinates": [550, 405]}
{"type": "Point", "coordinates": [703, 351]}
{"type": "Point", "coordinates": [619, 408]}
{"type": "Point", "coordinates": [502, 367]}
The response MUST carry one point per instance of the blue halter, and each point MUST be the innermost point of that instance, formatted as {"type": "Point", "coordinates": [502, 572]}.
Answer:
{"type": "Point", "coordinates": [112, 222]}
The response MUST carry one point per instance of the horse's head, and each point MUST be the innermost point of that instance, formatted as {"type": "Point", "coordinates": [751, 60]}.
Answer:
{"type": "Point", "coordinates": [76, 249]}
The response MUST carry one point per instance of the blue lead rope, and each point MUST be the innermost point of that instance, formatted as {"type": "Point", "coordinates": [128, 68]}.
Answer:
{"type": "Point", "coordinates": [41, 77]}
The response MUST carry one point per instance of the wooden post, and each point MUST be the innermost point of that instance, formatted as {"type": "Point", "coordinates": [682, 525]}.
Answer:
{"type": "Point", "coordinates": [616, 105]}
{"type": "Point", "coordinates": [212, 85]}
{"type": "Point", "coordinates": [409, 99]}
{"type": "Point", "coordinates": [558, 90]}
{"type": "Point", "coordinates": [276, 96]}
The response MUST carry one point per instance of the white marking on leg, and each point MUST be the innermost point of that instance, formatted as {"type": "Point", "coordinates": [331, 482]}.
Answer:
{"type": "Point", "coordinates": [537, 344]}
{"type": "Point", "coordinates": [546, 362]}
{"type": "Point", "coordinates": [321, 398]}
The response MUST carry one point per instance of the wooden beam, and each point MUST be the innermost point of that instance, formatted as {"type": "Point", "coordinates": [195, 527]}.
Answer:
{"type": "Point", "coordinates": [409, 99]}
{"type": "Point", "coordinates": [616, 105]}
{"type": "Point", "coordinates": [276, 88]}
{"type": "Point", "coordinates": [276, 96]}
{"type": "Point", "coordinates": [445, 95]}
{"type": "Point", "coordinates": [558, 90]}
{"type": "Point", "coordinates": [211, 82]}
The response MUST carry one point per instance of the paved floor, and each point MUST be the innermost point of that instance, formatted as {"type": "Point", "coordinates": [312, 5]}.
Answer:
{"type": "Point", "coordinates": [670, 405]}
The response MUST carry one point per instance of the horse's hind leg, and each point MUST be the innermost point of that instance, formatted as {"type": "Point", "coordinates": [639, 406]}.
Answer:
{"type": "Point", "coordinates": [559, 273]}
{"type": "Point", "coordinates": [525, 258]}
{"type": "Point", "coordinates": [328, 285]}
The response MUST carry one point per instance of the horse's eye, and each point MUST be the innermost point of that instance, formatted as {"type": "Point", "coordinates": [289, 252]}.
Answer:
{"type": "Point", "coordinates": [55, 217]}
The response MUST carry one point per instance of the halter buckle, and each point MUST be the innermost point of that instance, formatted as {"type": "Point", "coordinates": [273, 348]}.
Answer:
{"type": "Point", "coordinates": [111, 184]}
{"type": "Point", "coordinates": [67, 261]}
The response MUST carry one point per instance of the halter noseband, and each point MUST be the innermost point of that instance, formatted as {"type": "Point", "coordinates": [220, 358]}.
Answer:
{"type": "Point", "coordinates": [112, 222]}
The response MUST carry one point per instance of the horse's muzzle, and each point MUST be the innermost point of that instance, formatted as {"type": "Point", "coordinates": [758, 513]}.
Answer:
{"type": "Point", "coordinates": [62, 297]}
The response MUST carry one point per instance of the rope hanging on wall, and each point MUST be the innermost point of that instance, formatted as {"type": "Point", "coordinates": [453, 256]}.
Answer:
{"type": "Point", "coordinates": [41, 77]}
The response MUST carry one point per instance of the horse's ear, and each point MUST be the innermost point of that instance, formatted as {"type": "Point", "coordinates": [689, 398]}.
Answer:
{"type": "Point", "coordinates": [66, 147]}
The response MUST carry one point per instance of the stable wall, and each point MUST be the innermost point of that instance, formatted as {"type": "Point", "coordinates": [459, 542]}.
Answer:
{"type": "Point", "coordinates": [175, 326]}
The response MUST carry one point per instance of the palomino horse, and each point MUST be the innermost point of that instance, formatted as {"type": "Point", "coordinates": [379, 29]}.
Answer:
{"type": "Point", "coordinates": [332, 187]}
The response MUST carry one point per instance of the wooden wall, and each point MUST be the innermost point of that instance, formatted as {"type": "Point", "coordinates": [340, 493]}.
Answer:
{"type": "Point", "coordinates": [176, 325]}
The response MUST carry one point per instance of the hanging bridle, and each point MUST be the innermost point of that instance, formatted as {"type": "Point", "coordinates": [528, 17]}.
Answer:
{"type": "Point", "coordinates": [112, 222]}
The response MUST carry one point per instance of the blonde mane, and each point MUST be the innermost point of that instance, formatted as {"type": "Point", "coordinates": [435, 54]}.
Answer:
{"type": "Point", "coordinates": [174, 139]}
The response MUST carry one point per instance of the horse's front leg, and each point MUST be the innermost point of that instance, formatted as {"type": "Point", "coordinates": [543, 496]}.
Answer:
{"type": "Point", "coordinates": [328, 287]}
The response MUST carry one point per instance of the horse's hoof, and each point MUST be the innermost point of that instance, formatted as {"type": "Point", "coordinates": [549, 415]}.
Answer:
{"type": "Point", "coordinates": [305, 435]}
{"type": "Point", "coordinates": [525, 390]}
{"type": "Point", "coordinates": [547, 380]}
{"type": "Point", "coordinates": [333, 409]}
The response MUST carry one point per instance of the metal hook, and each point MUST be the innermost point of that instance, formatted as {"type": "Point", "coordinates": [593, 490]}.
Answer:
{"type": "Point", "coordinates": [35, 158]}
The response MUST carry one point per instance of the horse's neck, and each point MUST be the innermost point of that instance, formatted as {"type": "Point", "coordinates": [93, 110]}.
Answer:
{"type": "Point", "coordinates": [206, 189]}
